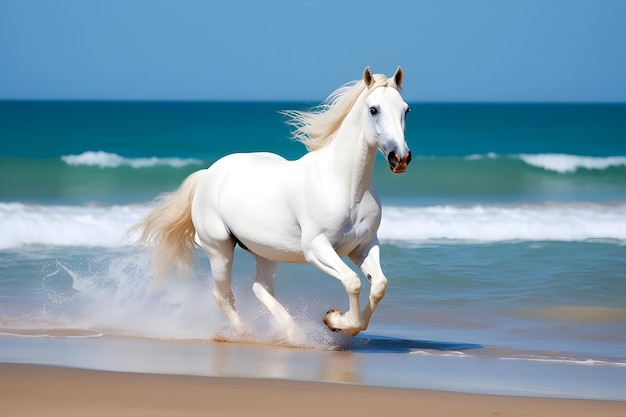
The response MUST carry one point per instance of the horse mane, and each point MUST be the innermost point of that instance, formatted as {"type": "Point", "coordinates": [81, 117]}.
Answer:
{"type": "Point", "coordinates": [317, 127]}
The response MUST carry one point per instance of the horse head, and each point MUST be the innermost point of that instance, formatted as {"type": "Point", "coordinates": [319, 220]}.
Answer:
{"type": "Point", "coordinates": [384, 118]}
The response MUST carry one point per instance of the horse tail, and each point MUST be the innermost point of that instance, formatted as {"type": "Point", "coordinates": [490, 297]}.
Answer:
{"type": "Point", "coordinates": [169, 230]}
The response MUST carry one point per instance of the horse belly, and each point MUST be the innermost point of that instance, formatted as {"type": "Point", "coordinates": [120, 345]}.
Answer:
{"type": "Point", "coordinates": [267, 232]}
{"type": "Point", "coordinates": [256, 209]}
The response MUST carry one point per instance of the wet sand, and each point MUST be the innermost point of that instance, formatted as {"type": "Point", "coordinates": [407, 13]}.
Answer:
{"type": "Point", "coordinates": [32, 390]}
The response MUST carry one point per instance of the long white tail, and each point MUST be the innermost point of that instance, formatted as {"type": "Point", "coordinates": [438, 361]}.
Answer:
{"type": "Point", "coordinates": [168, 229]}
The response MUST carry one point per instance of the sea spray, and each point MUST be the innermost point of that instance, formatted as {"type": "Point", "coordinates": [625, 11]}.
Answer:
{"type": "Point", "coordinates": [110, 292]}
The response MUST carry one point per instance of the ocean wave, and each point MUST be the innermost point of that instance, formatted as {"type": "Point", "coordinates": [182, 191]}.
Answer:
{"type": "Point", "coordinates": [103, 159]}
{"type": "Point", "coordinates": [564, 163]}
{"type": "Point", "coordinates": [557, 162]}
{"type": "Point", "coordinates": [113, 179]}
{"type": "Point", "coordinates": [561, 163]}
{"type": "Point", "coordinates": [24, 224]}
{"type": "Point", "coordinates": [539, 222]}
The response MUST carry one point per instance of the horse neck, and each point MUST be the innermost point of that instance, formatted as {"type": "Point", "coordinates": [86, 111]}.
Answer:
{"type": "Point", "coordinates": [352, 158]}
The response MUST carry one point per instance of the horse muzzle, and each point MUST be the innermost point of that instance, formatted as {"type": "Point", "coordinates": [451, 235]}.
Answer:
{"type": "Point", "coordinates": [398, 164]}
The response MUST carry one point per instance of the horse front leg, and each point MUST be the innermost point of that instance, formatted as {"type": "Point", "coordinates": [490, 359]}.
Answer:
{"type": "Point", "coordinates": [321, 254]}
{"type": "Point", "coordinates": [368, 260]}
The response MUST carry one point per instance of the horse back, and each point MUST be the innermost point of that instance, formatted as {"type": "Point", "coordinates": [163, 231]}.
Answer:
{"type": "Point", "coordinates": [269, 204]}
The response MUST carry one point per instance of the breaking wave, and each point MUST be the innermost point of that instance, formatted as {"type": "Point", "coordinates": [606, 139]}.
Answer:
{"type": "Point", "coordinates": [563, 163]}
{"type": "Point", "coordinates": [24, 224]}
{"type": "Point", "coordinates": [103, 159]}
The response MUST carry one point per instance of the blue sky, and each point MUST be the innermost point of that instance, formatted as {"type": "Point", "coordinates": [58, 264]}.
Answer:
{"type": "Point", "coordinates": [451, 50]}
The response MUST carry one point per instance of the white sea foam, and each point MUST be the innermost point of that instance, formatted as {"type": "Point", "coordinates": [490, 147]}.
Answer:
{"type": "Point", "coordinates": [563, 163]}
{"type": "Point", "coordinates": [23, 224]}
{"type": "Point", "coordinates": [438, 353]}
{"type": "Point", "coordinates": [103, 159]}
{"type": "Point", "coordinates": [478, 156]}
{"type": "Point", "coordinates": [568, 361]}
{"type": "Point", "coordinates": [552, 222]}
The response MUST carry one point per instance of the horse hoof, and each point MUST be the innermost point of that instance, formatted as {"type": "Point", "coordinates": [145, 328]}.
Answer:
{"type": "Point", "coordinates": [326, 317]}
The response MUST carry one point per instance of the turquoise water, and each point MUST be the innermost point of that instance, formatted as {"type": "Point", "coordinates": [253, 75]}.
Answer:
{"type": "Point", "coordinates": [506, 235]}
{"type": "Point", "coordinates": [465, 153]}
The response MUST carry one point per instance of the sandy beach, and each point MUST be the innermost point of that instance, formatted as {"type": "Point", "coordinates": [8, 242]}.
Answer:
{"type": "Point", "coordinates": [30, 390]}
{"type": "Point", "coordinates": [38, 390]}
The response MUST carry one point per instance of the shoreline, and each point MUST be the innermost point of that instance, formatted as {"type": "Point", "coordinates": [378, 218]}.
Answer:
{"type": "Point", "coordinates": [378, 362]}
{"type": "Point", "coordinates": [29, 390]}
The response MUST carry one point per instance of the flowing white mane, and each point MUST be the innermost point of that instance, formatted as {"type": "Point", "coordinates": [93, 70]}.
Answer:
{"type": "Point", "coordinates": [317, 127]}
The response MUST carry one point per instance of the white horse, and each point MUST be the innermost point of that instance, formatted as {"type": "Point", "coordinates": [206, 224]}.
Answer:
{"type": "Point", "coordinates": [316, 209]}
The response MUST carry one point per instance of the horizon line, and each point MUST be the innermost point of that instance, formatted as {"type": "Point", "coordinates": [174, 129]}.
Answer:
{"type": "Point", "coordinates": [300, 101]}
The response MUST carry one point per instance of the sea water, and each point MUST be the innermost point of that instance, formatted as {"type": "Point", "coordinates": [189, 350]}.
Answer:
{"type": "Point", "coordinates": [505, 238]}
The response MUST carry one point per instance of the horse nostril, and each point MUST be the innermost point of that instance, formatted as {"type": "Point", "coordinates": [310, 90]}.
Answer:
{"type": "Point", "coordinates": [393, 158]}
{"type": "Point", "coordinates": [408, 158]}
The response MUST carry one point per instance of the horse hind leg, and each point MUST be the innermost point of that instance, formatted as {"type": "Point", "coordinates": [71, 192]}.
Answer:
{"type": "Point", "coordinates": [221, 256]}
{"type": "Point", "coordinates": [263, 288]}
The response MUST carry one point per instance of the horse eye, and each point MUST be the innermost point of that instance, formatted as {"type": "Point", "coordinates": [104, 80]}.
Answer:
{"type": "Point", "coordinates": [373, 111]}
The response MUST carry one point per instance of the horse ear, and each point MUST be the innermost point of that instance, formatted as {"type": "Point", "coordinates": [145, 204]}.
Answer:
{"type": "Point", "coordinates": [398, 77]}
{"type": "Point", "coordinates": [368, 78]}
